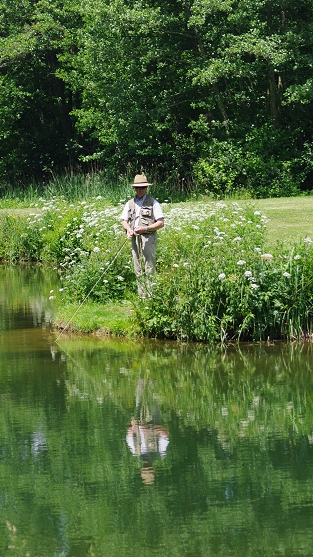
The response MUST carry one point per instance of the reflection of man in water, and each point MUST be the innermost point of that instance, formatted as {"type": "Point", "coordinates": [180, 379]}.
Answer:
{"type": "Point", "coordinates": [146, 438]}
{"type": "Point", "coordinates": [149, 442]}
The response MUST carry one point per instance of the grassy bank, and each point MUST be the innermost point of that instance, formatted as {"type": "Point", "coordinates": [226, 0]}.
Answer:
{"type": "Point", "coordinates": [226, 270]}
{"type": "Point", "coordinates": [100, 319]}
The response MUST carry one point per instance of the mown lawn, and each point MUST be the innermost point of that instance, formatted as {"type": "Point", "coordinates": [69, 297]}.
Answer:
{"type": "Point", "coordinates": [291, 218]}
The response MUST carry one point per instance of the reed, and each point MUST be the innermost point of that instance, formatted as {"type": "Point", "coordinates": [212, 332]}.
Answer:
{"type": "Point", "coordinates": [79, 186]}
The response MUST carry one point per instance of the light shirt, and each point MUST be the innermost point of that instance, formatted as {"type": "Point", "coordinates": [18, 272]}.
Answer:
{"type": "Point", "coordinates": [146, 440]}
{"type": "Point", "coordinates": [156, 207]}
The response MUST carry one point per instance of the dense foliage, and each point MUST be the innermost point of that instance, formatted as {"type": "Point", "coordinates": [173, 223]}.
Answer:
{"type": "Point", "coordinates": [201, 94]}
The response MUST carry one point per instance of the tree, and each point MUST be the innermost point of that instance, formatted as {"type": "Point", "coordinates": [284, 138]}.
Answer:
{"type": "Point", "coordinates": [216, 92]}
{"type": "Point", "coordinates": [36, 132]}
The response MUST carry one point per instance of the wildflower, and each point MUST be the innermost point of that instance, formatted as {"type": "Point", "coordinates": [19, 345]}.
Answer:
{"type": "Point", "coordinates": [105, 281]}
{"type": "Point", "coordinates": [254, 285]}
{"type": "Point", "coordinates": [61, 289]}
{"type": "Point", "coordinates": [241, 262]}
{"type": "Point", "coordinates": [297, 257]}
{"type": "Point", "coordinates": [120, 278]}
{"type": "Point", "coordinates": [237, 239]}
{"type": "Point", "coordinates": [96, 249]}
{"type": "Point", "coordinates": [257, 213]}
{"type": "Point", "coordinates": [175, 265]}
{"type": "Point", "coordinates": [221, 276]}
{"type": "Point", "coordinates": [266, 256]}
{"type": "Point", "coordinates": [248, 274]}
{"type": "Point", "coordinates": [285, 274]}
{"type": "Point", "coordinates": [51, 297]}
{"type": "Point", "coordinates": [51, 291]}
{"type": "Point", "coordinates": [308, 240]}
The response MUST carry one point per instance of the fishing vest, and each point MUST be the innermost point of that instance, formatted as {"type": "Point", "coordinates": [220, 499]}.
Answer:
{"type": "Point", "coordinates": [146, 212]}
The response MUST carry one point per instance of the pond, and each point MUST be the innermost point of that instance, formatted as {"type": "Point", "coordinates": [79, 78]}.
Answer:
{"type": "Point", "coordinates": [133, 448]}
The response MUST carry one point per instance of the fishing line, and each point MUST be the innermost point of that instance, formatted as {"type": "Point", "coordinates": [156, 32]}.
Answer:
{"type": "Point", "coordinates": [108, 265]}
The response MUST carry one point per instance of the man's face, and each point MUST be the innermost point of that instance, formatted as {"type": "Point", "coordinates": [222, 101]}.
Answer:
{"type": "Point", "coordinates": [141, 191]}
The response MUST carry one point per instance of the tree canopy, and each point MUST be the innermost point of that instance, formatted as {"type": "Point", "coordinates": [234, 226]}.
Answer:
{"type": "Point", "coordinates": [217, 94]}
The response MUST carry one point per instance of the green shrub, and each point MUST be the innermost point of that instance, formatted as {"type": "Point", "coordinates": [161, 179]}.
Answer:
{"type": "Point", "coordinates": [17, 241]}
{"type": "Point", "coordinates": [253, 164]}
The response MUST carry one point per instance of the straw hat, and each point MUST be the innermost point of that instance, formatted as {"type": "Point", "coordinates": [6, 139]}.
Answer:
{"type": "Point", "coordinates": [140, 181]}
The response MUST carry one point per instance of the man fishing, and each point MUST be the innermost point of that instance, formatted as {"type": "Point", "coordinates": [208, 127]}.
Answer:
{"type": "Point", "coordinates": [141, 218]}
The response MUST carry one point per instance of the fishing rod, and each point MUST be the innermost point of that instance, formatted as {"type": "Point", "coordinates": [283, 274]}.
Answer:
{"type": "Point", "coordinates": [108, 265]}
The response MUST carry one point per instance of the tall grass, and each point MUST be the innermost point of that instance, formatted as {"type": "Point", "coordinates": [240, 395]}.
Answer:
{"type": "Point", "coordinates": [79, 186]}
{"type": "Point", "coordinates": [71, 187]}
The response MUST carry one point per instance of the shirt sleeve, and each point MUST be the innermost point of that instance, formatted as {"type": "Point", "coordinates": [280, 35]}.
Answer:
{"type": "Point", "coordinates": [163, 443]}
{"type": "Point", "coordinates": [124, 215]}
{"type": "Point", "coordinates": [157, 211]}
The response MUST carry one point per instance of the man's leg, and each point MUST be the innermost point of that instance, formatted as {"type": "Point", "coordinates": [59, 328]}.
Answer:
{"type": "Point", "coordinates": [144, 257]}
{"type": "Point", "coordinates": [149, 258]}
{"type": "Point", "coordinates": [138, 264]}
{"type": "Point", "coordinates": [149, 253]}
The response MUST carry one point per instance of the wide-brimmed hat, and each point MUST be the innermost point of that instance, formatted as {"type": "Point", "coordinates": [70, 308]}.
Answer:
{"type": "Point", "coordinates": [140, 181]}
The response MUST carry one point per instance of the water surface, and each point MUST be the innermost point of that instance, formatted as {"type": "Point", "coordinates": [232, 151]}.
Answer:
{"type": "Point", "coordinates": [114, 448]}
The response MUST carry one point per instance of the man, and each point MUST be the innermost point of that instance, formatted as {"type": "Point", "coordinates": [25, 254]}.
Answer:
{"type": "Point", "coordinates": [141, 218]}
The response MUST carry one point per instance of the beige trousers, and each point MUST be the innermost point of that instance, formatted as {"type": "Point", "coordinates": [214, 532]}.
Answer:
{"type": "Point", "coordinates": [144, 256]}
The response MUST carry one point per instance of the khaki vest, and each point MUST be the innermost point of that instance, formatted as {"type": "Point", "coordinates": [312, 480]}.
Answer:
{"type": "Point", "coordinates": [146, 212]}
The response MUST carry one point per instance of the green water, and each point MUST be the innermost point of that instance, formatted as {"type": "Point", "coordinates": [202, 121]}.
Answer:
{"type": "Point", "coordinates": [112, 448]}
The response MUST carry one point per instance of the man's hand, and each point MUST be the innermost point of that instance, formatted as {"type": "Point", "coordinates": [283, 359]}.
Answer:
{"type": "Point", "coordinates": [140, 230]}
